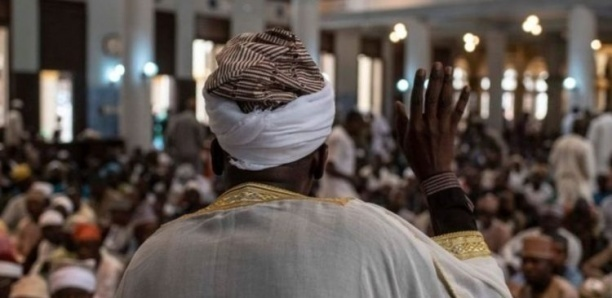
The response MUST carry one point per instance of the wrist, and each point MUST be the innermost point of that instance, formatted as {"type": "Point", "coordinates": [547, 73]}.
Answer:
{"type": "Point", "coordinates": [439, 182]}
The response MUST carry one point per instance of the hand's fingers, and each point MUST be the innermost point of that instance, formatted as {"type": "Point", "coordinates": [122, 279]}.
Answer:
{"type": "Point", "coordinates": [461, 105]}
{"type": "Point", "coordinates": [401, 122]}
{"type": "Point", "coordinates": [436, 80]}
{"type": "Point", "coordinates": [416, 99]}
{"type": "Point", "coordinates": [445, 104]}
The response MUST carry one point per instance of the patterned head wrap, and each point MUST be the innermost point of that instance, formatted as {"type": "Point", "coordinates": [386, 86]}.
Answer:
{"type": "Point", "coordinates": [264, 71]}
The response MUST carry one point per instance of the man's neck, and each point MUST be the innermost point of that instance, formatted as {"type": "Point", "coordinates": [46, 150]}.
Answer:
{"type": "Point", "coordinates": [539, 288]}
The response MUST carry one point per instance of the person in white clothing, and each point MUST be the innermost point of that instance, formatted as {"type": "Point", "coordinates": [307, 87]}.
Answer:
{"type": "Point", "coordinates": [340, 175]}
{"type": "Point", "coordinates": [265, 237]}
{"type": "Point", "coordinates": [600, 135]}
{"type": "Point", "coordinates": [573, 166]}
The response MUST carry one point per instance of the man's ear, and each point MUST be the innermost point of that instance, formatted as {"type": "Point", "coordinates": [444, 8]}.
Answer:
{"type": "Point", "coordinates": [218, 157]}
{"type": "Point", "coordinates": [319, 161]}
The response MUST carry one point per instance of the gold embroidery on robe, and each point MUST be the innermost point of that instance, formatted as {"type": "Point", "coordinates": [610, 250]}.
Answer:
{"type": "Point", "coordinates": [253, 193]}
{"type": "Point", "coordinates": [464, 245]}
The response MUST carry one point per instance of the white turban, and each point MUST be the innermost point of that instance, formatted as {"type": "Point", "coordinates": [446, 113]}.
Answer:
{"type": "Point", "coordinates": [72, 277]}
{"type": "Point", "coordinates": [51, 218]}
{"type": "Point", "coordinates": [64, 202]}
{"type": "Point", "coordinates": [265, 139]}
{"type": "Point", "coordinates": [10, 269]}
{"type": "Point", "coordinates": [43, 187]}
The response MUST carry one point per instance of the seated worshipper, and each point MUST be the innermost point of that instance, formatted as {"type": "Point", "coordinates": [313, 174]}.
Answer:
{"type": "Point", "coordinates": [63, 204]}
{"type": "Point", "coordinates": [606, 211]}
{"type": "Point", "coordinates": [28, 232]}
{"type": "Point", "coordinates": [271, 112]}
{"type": "Point", "coordinates": [10, 269]}
{"type": "Point", "coordinates": [538, 269]}
{"type": "Point", "coordinates": [30, 286]}
{"type": "Point", "coordinates": [550, 224]}
{"type": "Point", "coordinates": [599, 265]}
{"type": "Point", "coordinates": [583, 221]}
{"type": "Point", "coordinates": [83, 213]}
{"type": "Point", "coordinates": [121, 231]}
{"type": "Point", "coordinates": [597, 288]}
{"type": "Point", "coordinates": [15, 210]}
{"type": "Point", "coordinates": [340, 179]}
{"type": "Point", "coordinates": [518, 173]}
{"type": "Point", "coordinates": [51, 223]}
{"type": "Point", "coordinates": [569, 273]}
{"type": "Point", "coordinates": [537, 191]}
{"type": "Point", "coordinates": [72, 281]}
{"type": "Point", "coordinates": [496, 233]}
{"type": "Point", "coordinates": [88, 242]}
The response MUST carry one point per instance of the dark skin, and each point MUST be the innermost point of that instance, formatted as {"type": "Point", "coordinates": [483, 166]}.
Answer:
{"type": "Point", "coordinates": [538, 273]}
{"type": "Point", "coordinates": [53, 234]}
{"type": "Point", "coordinates": [72, 293]}
{"type": "Point", "coordinates": [430, 138]}
{"type": "Point", "coordinates": [5, 286]}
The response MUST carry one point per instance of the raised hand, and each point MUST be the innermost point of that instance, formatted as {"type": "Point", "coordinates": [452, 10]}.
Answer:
{"type": "Point", "coordinates": [427, 138]}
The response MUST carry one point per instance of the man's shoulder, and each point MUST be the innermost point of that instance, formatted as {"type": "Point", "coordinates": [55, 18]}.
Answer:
{"type": "Point", "coordinates": [565, 286]}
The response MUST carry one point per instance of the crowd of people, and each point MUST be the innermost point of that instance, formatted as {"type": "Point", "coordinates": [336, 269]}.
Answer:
{"type": "Point", "coordinates": [70, 227]}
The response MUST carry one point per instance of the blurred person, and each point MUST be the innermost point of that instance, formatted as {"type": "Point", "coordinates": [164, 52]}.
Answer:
{"type": "Point", "coordinates": [538, 269]}
{"type": "Point", "coordinates": [15, 210]}
{"type": "Point", "coordinates": [28, 232]}
{"type": "Point", "coordinates": [72, 281]}
{"type": "Point", "coordinates": [109, 269]}
{"type": "Point", "coordinates": [606, 211]}
{"type": "Point", "coordinates": [599, 265]}
{"type": "Point", "coordinates": [185, 137]}
{"type": "Point", "coordinates": [339, 179]}
{"type": "Point", "coordinates": [550, 224]}
{"type": "Point", "coordinates": [509, 213]}
{"type": "Point", "coordinates": [572, 160]}
{"type": "Point", "coordinates": [518, 174]}
{"type": "Point", "coordinates": [30, 286]}
{"type": "Point", "coordinates": [538, 192]}
{"type": "Point", "coordinates": [307, 246]}
{"type": "Point", "coordinates": [382, 141]}
{"type": "Point", "coordinates": [600, 135]}
{"type": "Point", "coordinates": [495, 232]}
{"type": "Point", "coordinates": [83, 213]}
{"type": "Point", "coordinates": [582, 221]}
{"type": "Point", "coordinates": [63, 204]}
{"type": "Point", "coordinates": [14, 132]}
{"type": "Point", "coordinates": [570, 273]}
{"type": "Point", "coordinates": [10, 269]}
{"type": "Point", "coordinates": [567, 124]}
{"type": "Point", "coordinates": [120, 232]}
{"type": "Point", "coordinates": [51, 223]}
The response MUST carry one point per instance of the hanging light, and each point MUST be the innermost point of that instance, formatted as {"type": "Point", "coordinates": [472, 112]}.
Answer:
{"type": "Point", "coordinates": [596, 44]}
{"type": "Point", "coordinates": [569, 83]}
{"type": "Point", "coordinates": [402, 85]}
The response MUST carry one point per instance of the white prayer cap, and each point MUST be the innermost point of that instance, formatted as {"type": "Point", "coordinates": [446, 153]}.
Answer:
{"type": "Point", "coordinates": [10, 269]}
{"type": "Point", "coordinates": [64, 202]}
{"type": "Point", "coordinates": [51, 218]}
{"type": "Point", "coordinates": [42, 187]}
{"type": "Point", "coordinates": [265, 139]}
{"type": "Point", "coordinates": [72, 277]}
{"type": "Point", "coordinates": [31, 286]}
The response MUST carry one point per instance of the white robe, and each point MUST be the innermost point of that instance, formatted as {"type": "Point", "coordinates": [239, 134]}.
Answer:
{"type": "Point", "coordinates": [600, 135]}
{"type": "Point", "coordinates": [573, 163]}
{"type": "Point", "coordinates": [342, 153]}
{"type": "Point", "coordinates": [271, 245]}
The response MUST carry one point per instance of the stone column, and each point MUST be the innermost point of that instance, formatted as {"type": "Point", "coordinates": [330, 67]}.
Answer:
{"type": "Point", "coordinates": [582, 29]}
{"type": "Point", "coordinates": [305, 24]}
{"type": "Point", "coordinates": [185, 33]}
{"type": "Point", "coordinates": [25, 36]}
{"type": "Point", "coordinates": [555, 49]}
{"type": "Point", "coordinates": [417, 52]}
{"type": "Point", "coordinates": [496, 51]}
{"type": "Point", "coordinates": [135, 118]}
{"type": "Point", "coordinates": [248, 16]}
{"type": "Point", "coordinates": [389, 80]}
{"type": "Point", "coordinates": [104, 26]}
{"type": "Point", "coordinates": [347, 47]}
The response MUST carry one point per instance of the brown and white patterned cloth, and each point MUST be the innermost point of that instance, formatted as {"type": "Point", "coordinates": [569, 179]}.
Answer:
{"type": "Point", "coordinates": [268, 103]}
{"type": "Point", "coordinates": [264, 70]}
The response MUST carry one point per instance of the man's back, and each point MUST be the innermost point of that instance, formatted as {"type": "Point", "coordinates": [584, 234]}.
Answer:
{"type": "Point", "coordinates": [293, 247]}
{"type": "Point", "coordinates": [185, 135]}
{"type": "Point", "coordinates": [600, 135]}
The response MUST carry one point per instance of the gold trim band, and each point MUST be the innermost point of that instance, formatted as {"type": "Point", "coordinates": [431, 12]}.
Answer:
{"type": "Point", "coordinates": [464, 245]}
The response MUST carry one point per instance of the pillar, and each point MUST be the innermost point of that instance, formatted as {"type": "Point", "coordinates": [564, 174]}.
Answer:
{"type": "Point", "coordinates": [185, 33]}
{"type": "Point", "coordinates": [496, 51]}
{"type": "Point", "coordinates": [389, 79]}
{"type": "Point", "coordinates": [417, 52]}
{"type": "Point", "coordinates": [135, 119]}
{"type": "Point", "coordinates": [555, 49]}
{"type": "Point", "coordinates": [582, 29]}
{"type": "Point", "coordinates": [347, 47]}
{"type": "Point", "coordinates": [25, 36]}
{"type": "Point", "coordinates": [305, 24]}
{"type": "Point", "coordinates": [248, 16]}
{"type": "Point", "coordinates": [104, 23]}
